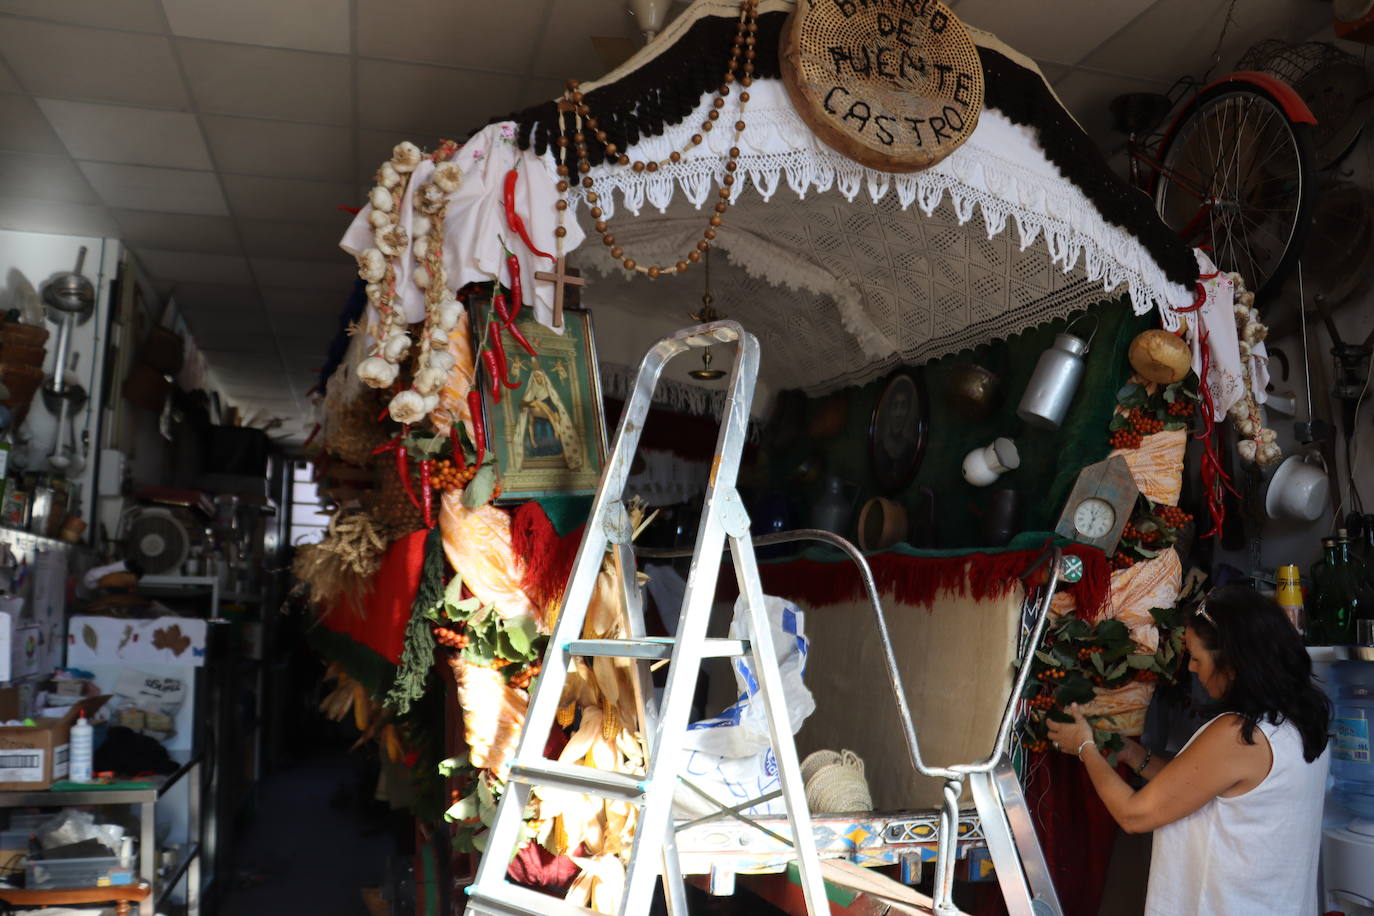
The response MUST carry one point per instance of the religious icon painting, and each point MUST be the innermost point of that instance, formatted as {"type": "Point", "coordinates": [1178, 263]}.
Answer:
{"type": "Point", "coordinates": [548, 431]}
{"type": "Point", "coordinates": [897, 433]}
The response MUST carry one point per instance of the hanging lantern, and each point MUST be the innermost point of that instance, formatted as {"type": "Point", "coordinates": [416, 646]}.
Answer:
{"type": "Point", "coordinates": [1055, 381]}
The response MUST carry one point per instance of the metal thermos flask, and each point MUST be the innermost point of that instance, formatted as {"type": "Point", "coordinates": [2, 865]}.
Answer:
{"type": "Point", "coordinates": [1052, 386]}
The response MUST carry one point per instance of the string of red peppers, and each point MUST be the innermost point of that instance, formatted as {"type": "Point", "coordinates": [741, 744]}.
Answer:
{"type": "Point", "coordinates": [1215, 483]}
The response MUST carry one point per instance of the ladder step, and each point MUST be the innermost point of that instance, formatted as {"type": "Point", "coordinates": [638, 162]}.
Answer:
{"type": "Point", "coordinates": [577, 778]}
{"type": "Point", "coordinates": [514, 900]}
{"type": "Point", "coordinates": [654, 647]}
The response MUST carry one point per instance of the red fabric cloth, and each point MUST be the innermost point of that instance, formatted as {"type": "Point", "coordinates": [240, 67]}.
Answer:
{"type": "Point", "coordinates": [382, 626]}
{"type": "Point", "coordinates": [548, 557]}
{"type": "Point", "coordinates": [1076, 831]}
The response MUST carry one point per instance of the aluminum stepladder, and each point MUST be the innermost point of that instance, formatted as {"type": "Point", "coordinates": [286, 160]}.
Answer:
{"type": "Point", "coordinates": [723, 520]}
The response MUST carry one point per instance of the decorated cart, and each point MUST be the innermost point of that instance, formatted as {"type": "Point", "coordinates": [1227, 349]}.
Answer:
{"type": "Point", "coordinates": [867, 188]}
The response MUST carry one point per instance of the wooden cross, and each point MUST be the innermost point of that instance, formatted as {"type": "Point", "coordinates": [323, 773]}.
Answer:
{"type": "Point", "coordinates": [562, 277]}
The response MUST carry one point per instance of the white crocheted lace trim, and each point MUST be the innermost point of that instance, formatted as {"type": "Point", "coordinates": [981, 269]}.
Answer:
{"type": "Point", "coordinates": [1000, 171]}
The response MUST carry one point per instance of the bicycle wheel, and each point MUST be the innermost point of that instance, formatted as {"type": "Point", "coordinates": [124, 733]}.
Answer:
{"type": "Point", "coordinates": [1236, 175]}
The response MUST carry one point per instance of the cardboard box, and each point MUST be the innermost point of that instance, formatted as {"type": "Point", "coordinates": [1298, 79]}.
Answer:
{"type": "Point", "coordinates": [35, 757]}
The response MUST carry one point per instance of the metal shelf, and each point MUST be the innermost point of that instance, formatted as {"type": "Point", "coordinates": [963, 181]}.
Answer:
{"type": "Point", "coordinates": [46, 798]}
{"type": "Point", "coordinates": [169, 881]}
{"type": "Point", "coordinates": [20, 536]}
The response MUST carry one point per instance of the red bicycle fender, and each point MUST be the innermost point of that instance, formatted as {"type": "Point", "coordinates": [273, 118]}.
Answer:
{"type": "Point", "coordinates": [1284, 94]}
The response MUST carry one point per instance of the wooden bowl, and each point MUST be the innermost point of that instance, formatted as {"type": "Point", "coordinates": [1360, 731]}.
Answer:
{"type": "Point", "coordinates": [882, 523]}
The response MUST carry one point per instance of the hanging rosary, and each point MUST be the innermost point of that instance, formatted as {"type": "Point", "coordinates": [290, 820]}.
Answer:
{"type": "Point", "coordinates": [746, 36]}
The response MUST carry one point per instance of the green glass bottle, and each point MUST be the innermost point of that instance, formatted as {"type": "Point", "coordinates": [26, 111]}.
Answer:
{"type": "Point", "coordinates": [1342, 593]}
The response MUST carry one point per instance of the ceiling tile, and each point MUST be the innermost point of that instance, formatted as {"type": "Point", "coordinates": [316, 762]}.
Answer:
{"type": "Point", "coordinates": [137, 136]}
{"type": "Point", "coordinates": [539, 90]}
{"type": "Point", "coordinates": [69, 62]}
{"type": "Point", "coordinates": [289, 307]}
{"type": "Point", "coordinates": [137, 187]}
{"type": "Point", "coordinates": [129, 15]}
{"type": "Point", "coordinates": [313, 241]}
{"type": "Point", "coordinates": [7, 81]}
{"type": "Point", "coordinates": [195, 267]}
{"type": "Point", "coordinates": [26, 130]}
{"type": "Point", "coordinates": [562, 56]}
{"type": "Point", "coordinates": [499, 35]}
{"type": "Point", "coordinates": [1136, 51]}
{"type": "Point", "coordinates": [1042, 29]}
{"type": "Point", "coordinates": [268, 82]}
{"type": "Point", "coordinates": [205, 298]}
{"type": "Point", "coordinates": [311, 25]}
{"type": "Point", "coordinates": [241, 338]}
{"type": "Point", "coordinates": [323, 275]}
{"type": "Point", "coordinates": [1087, 94]}
{"type": "Point", "coordinates": [178, 231]}
{"type": "Point", "coordinates": [56, 217]}
{"type": "Point", "coordinates": [282, 149]}
{"type": "Point", "coordinates": [446, 102]}
{"type": "Point", "coordinates": [44, 178]}
{"type": "Point", "coordinates": [1052, 71]}
{"type": "Point", "coordinates": [278, 198]}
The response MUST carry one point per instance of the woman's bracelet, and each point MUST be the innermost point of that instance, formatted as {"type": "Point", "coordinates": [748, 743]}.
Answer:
{"type": "Point", "coordinates": [1140, 770]}
{"type": "Point", "coordinates": [1079, 752]}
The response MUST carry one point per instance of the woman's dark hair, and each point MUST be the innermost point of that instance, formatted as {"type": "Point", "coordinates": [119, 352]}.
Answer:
{"type": "Point", "coordinates": [1254, 641]}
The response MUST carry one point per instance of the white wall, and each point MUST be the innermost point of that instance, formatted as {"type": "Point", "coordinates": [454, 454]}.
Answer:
{"type": "Point", "coordinates": [27, 260]}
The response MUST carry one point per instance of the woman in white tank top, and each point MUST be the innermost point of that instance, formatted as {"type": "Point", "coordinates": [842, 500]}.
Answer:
{"type": "Point", "coordinates": [1237, 814]}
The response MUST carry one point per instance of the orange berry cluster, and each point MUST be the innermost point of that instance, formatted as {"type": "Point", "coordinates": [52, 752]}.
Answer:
{"type": "Point", "coordinates": [1181, 408]}
{"type": "Point", "coordinates": [523, 678]}
{"type": "Point", "coordinates": [1172, 516]}
{"type": "Point", "coordinates": [446, 476]}
{"type": "Point", "coordinates": [1088, 652]}
{"type": "Point", "coordinates": [1125, 438]}
{"type": "Point", "coordinates": [1148, 677]}
{"type": "Point", "coordinates": [500, 662]}
{"type": "Point", "coordinates": [451, 638]}
{"type": "Point", "coordinates": [1043, 701]}
{"type": "Point", "coordinates": [1052, 674]}
{"type": "Point", "coordinates": [1035, 747]}
{"type": "Point", "coordinates": [1144, 423]}
{"type": "Point", "coordinates": [1122, 561]}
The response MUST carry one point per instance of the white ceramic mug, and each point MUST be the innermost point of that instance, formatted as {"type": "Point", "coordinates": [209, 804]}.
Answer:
{"type": "Point", "coordinates": [985, 464]}
{"type": "Point", "coordinates": [1299, 489]}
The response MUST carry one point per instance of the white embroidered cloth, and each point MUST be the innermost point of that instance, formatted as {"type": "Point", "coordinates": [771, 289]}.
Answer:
{"type": "Point", "coordinates": [1217, 321]}
{"type": "Point", "coordinates": [475, 222]}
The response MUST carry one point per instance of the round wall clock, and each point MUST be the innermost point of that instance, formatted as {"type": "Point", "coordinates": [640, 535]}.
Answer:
{"type": "Point", "coordinates": [897, 432]}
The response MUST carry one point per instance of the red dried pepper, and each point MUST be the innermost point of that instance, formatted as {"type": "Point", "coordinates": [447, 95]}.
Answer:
{"type": "Point", "coordinates": [520, 339]}
{"type": "Point", "coordinates": [489, 360]}
{"type": "Point", "coordinates": [517, 224]}
{"type": "Point", "coordinates": [498, 304]}
{"type": "Point", "coordinates": [502, 364]}
{"type": "Point", "coordinates": [389, 445]}
{"type": "Point", "coordinates": [403, 471]}
{"type": "Point", "coordinates": [427, 493]}
{"type": "Point", "coordinates": [479, 430]}
{"type": "Point", "coordinates": [517, 289]}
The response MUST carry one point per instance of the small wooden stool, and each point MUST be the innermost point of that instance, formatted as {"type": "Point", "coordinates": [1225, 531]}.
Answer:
{"type": "Point", "coordinates": [120, 895]}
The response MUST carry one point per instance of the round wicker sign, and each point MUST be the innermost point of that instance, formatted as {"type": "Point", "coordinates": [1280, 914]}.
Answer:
{"type": "Point", "coordinates": [895, 85]}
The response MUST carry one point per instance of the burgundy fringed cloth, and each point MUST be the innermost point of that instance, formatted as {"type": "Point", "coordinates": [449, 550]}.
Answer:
{"type": "Point", "coordinates": [919, 579]}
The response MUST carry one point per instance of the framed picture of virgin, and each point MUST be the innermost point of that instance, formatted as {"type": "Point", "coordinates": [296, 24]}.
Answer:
{"type": "Point", "coordinates": [548, 431]}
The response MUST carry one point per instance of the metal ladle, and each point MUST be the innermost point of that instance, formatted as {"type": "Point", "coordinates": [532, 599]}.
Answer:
{"type": "Point", "coordinates": [71, 297]}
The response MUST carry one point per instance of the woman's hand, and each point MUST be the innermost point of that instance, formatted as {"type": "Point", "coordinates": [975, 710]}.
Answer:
{"type": "Point", "coordinates": [1069, 736]}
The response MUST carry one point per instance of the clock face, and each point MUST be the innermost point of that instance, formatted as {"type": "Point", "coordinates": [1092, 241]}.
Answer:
{"type": "Point", "coordinates": [1094, 517]}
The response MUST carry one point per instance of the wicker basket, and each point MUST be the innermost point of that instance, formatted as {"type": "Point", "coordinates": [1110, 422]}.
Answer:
{"type": "Point", "coordinates": [22, 381]}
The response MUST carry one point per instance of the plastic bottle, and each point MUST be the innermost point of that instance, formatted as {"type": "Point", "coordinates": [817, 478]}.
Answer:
{"type": "Point", "coordinates": [1290, 597]}
{"type": "Point", "coordinates": [1351, 764]}
{"type": "Point", "coordinates": [81, 750]}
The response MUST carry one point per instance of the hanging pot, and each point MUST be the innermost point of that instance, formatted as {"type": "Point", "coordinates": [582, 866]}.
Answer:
{"type": "Point", "coordinates": [833, 510]}
{"type": "Point", "coordinates": [1052, 386]}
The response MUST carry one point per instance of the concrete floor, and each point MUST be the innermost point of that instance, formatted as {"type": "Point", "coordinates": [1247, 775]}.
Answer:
{"type": "Point", "coordinates": [316, 841]}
